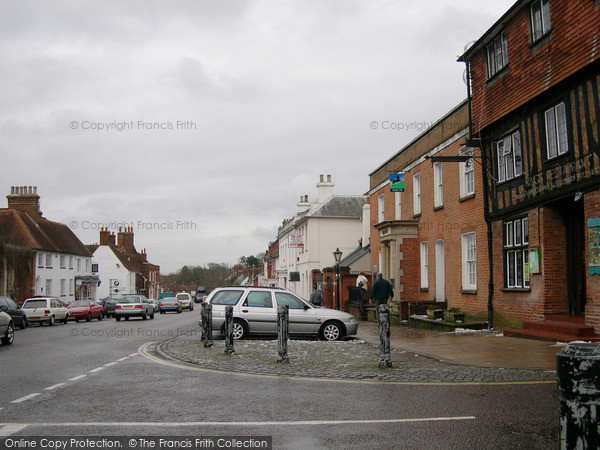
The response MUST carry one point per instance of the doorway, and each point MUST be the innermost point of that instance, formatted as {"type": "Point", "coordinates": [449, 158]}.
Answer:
{"type": "Point", "coordinates": [440, 272]}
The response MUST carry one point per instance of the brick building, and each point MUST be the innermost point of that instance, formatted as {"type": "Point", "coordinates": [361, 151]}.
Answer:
{"type": "Point", "coordinates": [534, 88]}
{"type": "Point", "coordinates": [430, 240]}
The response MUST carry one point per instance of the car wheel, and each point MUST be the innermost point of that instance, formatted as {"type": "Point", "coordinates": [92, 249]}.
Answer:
{"type": "Point", "coordinates": [126, 317]}
{"type": "Point", "coordinates": [89, 317]}
{"type": "Point", "coordinates": [9, 336]}
{"type": "Point", "coordinates": [332, 331]}
{"type": "Point", "coordinates": [152, 315]}
{"type": "Point", "coordinates": [239, 329]}
{"type": "Point", "coordinates": [162, 312]}
{"type": "Point", "coordinates": [100, 316]}
{"type": "Point", "coordinates": [23, 324]}
{"type": "Point", "coordinates": [145, 316]}
{"type": "Point", "coordinates": [51, 321]}
{"type": "Point", "coordinates": [66, 319]}
{"type": "Point", "coordinates": [179, 311]}
{"type": "Point", "coordinates": [118, 318]}
{"type": "Point", "coordinates": [191, 306]}
{"type": "Point", "coordinates": [76, 319]}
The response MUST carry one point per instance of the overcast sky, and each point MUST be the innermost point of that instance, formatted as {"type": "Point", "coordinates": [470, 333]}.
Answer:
{"type": "Point", "coordinates": [268, 95]}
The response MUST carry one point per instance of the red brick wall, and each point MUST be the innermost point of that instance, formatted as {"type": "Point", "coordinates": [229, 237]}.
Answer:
{"type": "Point", "coordinates": [592, 307]}
{"type": "Point", "coordinates": [532, 70]}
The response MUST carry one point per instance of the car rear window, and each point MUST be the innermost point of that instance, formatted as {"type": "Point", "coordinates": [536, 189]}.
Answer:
{"type": "Point", "coordinates": [226, 297]}
{"type": "Point", "coordinates": [129, 300]}
{"type": "Point", "coordinates": [30, 304]}
{"type": "Point", "coordinates": [182, 297]}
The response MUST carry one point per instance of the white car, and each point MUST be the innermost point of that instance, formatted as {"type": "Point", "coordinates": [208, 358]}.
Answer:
{"type": "Point", "coordinates": [255, 312]}
{"type": "Point", "coordinates": [185, 300]}
{"type": "Point", "coordinates": [45, 309]}
{"type": "Point", "coordinates": [7, 329]}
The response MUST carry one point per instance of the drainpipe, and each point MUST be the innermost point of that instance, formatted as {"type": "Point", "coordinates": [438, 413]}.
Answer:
{"type": "Point", "coordinates": [486, 215]}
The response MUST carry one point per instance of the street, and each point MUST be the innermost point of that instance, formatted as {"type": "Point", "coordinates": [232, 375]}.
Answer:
{"type": "Point", "coordinates": [106, 379]}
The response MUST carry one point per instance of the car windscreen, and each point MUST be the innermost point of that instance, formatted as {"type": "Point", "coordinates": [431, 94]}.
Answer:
{"type": "Point", "coordinates": [30, 304]}
{"type": "Point", "coordinates": [226, 297]}
{"type": "Point", "coordinates": [129, 300]}
{"type": "Point", "coordinates": [78, 303]}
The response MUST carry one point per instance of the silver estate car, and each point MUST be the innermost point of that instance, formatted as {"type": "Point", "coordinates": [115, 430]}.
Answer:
{"type": "Point", "coordinates": [7, 329]}
{"type": "Point", "coordinates": [255, 312]}
{"type": "Point", "coordinates": [132, 306]}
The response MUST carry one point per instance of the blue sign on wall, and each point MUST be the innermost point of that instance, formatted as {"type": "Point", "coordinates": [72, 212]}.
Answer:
{"type": "Point", "coordinates": [397, 182]}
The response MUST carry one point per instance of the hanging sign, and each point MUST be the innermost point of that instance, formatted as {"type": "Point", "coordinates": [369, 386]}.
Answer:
{"type": "Point", "coordinates": [396, 182]}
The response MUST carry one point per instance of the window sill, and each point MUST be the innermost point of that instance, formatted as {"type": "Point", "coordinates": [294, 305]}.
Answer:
{"type": "Point", "coordinates": [437, 208]}
{"type": "Point", "coordinates": [540, 42]}
{"type": "Point", "coordinates": [518, 290]}
{"type": "Point", "coordinates": [499, 183]}
{"type": "Point", "coordinates": [416, 216]}
{"type": "Point", "coordinates": [469, 291]}
{"type": "Point", "coordinates": [423, 289]}
{"type": "Point", "coordinates": [491, 80]}
{"type": "Point", "coordinates": [467, 197]}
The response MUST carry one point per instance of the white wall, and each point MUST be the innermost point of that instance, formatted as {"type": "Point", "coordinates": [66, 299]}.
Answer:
{"type": "Point", "coordinates": [110, 268]}
{"type": "Point", "coordinates": [49, 268]}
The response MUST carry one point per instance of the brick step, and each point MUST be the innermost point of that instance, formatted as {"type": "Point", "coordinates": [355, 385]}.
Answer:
{"type": "Point", "coordinates": [566, 328]}
{"type": "Point", "coordinates": [546, 336]}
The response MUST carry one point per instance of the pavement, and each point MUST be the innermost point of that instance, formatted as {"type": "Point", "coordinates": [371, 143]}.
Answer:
{"type": "Point", "coordinates": [419, 356]}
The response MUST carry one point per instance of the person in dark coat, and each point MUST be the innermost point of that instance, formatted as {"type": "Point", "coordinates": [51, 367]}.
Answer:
{"type": "Point", "coordinates": [381, 292]}
{"type": "Point", "coordinates": [316, 298]}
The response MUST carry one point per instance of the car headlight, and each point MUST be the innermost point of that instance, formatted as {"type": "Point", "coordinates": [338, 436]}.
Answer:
{"type": "Point", "coordinates": [352, 319]}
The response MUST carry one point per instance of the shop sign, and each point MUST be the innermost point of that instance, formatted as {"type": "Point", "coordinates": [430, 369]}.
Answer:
{"type": "Point", "coordinates": [296, 241]}
{"type": "Point", "coordinates": [594, 246]}
{"type": "Point", "coordinates": [397, 182]}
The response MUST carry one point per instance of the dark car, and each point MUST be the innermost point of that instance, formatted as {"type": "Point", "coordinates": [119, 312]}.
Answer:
{"type": "Point", "coordinates": [200, 295]}
{"type": "Point", "coordinates": [18, 315]}
{"type": "Point", "coordinates": [109, 306]}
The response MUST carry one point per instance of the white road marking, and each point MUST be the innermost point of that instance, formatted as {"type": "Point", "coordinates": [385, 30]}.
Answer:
{"type": "Point", "coordinates": [27, 397]}
{"type": "Point", "coordinates": [97, 369]}
{"type": "Point", "coordinates": [123, 358]}
{"type": "Point", "coordinates": [133, 354]}
{"type": "Point", "coordinates": [78, 377]}
{"type": "Point", "coordinates": [51, 388]}
{"type": "Point", "coordinates": [11, 428]}
{"type": "Point", "coordinates": [110, 364]}
{"type": "Point", "coordinates": [249, 424]}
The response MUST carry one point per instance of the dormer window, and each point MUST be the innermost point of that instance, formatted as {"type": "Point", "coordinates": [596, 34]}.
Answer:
{"type": "Point", "coordinates": [540, 19]}
{"type": "Point", "coordinates": [497, 55]}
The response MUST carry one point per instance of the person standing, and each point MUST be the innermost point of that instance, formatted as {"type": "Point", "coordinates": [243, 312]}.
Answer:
{"type": "Point", "coordinates": [361, 283]}
{"type": "Point", "coordinates": [316, 298]}
{"type": "Point", "coordinates": [381, 292]}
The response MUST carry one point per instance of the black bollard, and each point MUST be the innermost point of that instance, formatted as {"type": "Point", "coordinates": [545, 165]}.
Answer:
{"type": "Point", "coordinates": [206, 316]}
{"type": "Point", "coordinates": [283, 317]}
{"type": "Point", "coordinates": [385, 359]}
{"type": "Point", "coordinates": [578, 377]}
{"type": "Point", "coordinates": [229, 330]}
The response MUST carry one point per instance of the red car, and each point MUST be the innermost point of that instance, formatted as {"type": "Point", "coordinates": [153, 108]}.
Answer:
{"type": "Point", "coordinates": [85, 309]}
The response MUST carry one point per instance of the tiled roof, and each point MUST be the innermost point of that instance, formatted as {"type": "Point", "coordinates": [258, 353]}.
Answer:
{"type": "Point", "coordinates": [18, 228]}
{"type": "Point", "coordinates": [340, 206]}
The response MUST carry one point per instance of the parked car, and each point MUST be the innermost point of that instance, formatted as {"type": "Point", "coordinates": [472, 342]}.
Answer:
{"type": "Point", "coordinates": [7, 329]}
{"type": "Point", "coordinates": [200, 295]}
{"type": "Point", "coordinates": [85, 309]}
{"type": "Point", "coordinates": [255, 312]}
{"type": "Point", "coordinates": [133, 306]}
{"type": "Point", "coordinates": [45, 309]}
{"type": "Point", "coordinates": [109, 306]}
{"type": "Point", "coordinates": [185, 300]}
{"type": "Point", "coordinates": [15, 312]}
{"type": "Point", "coordinates": [165, 295]}
{"type": "Point", "coordinates": [154, 304]}
{"type": "Point", "coordinates": [170, 304]}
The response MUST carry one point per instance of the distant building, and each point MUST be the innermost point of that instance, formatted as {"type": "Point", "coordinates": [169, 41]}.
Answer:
{"type": "Point", "coordinates": [307, 240]}
{"type": "Point", "coordinates": [121, 268]}
{"type": "Point", "coordinates": [38, 256]}
{"type": "Point", "coordinates": [534, 81]}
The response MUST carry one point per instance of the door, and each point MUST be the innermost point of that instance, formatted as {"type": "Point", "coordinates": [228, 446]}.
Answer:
{"type": "Point", "coordinates": [259, 312]}
{"type": "Point", "coordinates": [440, 272]}
{"type": "Point", "coordinates": [576, 230]}
{"type": "Point", "coordinates": [302, 320]}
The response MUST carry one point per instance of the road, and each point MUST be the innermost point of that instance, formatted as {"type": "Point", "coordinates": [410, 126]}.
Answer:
{"type": "Point", "coordinates": [94, 379]}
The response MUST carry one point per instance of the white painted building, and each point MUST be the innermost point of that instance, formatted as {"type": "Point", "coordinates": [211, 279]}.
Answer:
{"type": "Point", "coordinates": [308, 240]}
{"type": "Point", "coordinates": [118, 277]}
{"type": "Point", "coordinates": [63, 275]}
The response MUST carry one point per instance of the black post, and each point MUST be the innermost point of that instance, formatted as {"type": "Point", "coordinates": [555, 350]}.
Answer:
{"type": "Point", "coordinates": [206, 316]}
{"type": "Point", "coordinates": [578, 376]}
{"type": "Point", "coordinates": [283, 315]}
{"type": "Point", "coordinates": [229, 330]}
{"type": "Point", "coordinates": [337, 284]}
{"type": "Point", "coordinates": [385, 359]}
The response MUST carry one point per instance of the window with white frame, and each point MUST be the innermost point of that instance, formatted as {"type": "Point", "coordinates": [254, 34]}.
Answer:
{"type": "Point", "coordinates": [467, 173]}
{"type": "Point", "coordinates": [469, 261]}
{"type": "Point", "coordinates": [48, 287]}
{"type": "Point", "coordinates": [398, 207]}
{"type": "Point", "coordinates": [510, 161]}
{"type": "Point", "coordinates": [424, 266]}
{"type": "Point", "coordinates": [71, 288]}
{"type": "Point", "coordinates": [87, 265]}
{"type": "Point", "coordinates": [78, 264]}
{"type": "Point", "coordinates": [49, 260]}
{"type": "Point", "coordinates": [417, 194]}
{"type": "Point", "coordinates": [516, 253]}
{"type": "Point", "coordinates": [438, 186]}
{"type": "Point", "coordinates": [63, 287]}
{"type": "Point", "coordinates": [381, 208]}
{"type": "Point", "coordinates": [557, 142]}
{"type": "Point", "coordinates": [497, 55]}
{"type": "Point", "coordinates": [40, 259]}
{"type": "Point", "coordinates": [70, 262]}
{"type": "Point", "coordinates": [540, 19]}
{"type": "Point", "coordinates": [63, 262]}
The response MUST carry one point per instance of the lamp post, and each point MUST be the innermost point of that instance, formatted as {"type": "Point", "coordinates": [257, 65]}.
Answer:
{"type": "Point", "coordinates": [338, 256]}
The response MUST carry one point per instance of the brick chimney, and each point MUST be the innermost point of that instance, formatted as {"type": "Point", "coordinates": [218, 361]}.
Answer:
{"type": "Point", "coordinates": [104, 236]}
{"type": "Point", "coordinates": [25, 199]}
{"type": "Point", "coordinates": [111, 238]}
{"type": "Point", "coordinates": [143, 255]}
{"type": "Point", "coordinates": [125, 239]}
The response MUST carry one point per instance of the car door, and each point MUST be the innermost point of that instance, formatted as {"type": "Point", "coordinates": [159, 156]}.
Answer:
{"type": "Point", "coordinates": [302, 317]}
{"type": "Point", "coordinates": [258, 310]}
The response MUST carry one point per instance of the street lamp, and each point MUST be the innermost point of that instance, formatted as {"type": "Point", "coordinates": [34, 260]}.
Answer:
{"type": "Point", "coordinates": [338, 257]}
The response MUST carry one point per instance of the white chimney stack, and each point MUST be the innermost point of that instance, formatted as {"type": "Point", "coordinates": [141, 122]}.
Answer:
{"type": "Point", "coordinates": [325, 188]}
